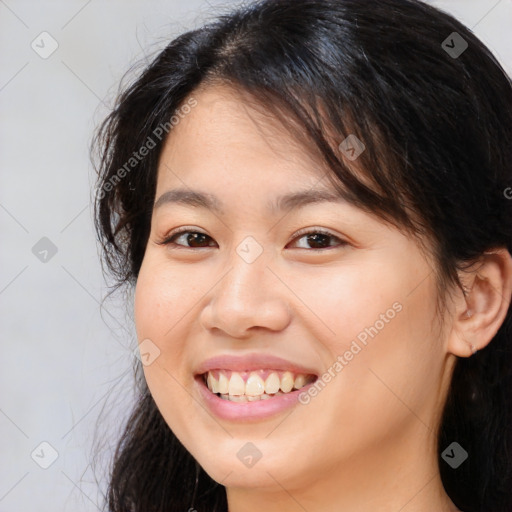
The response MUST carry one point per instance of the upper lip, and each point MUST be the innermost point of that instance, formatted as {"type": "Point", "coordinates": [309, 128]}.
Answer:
{"type": "Point", "coordinates": [251, 362]}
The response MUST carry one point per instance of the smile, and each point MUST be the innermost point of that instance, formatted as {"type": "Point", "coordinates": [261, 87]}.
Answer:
{"type": "Point", "coordinates": [252, 386]}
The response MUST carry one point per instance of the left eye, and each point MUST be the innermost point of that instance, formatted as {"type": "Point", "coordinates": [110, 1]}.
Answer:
{"type": "Point", "coordinates": [320, 240]}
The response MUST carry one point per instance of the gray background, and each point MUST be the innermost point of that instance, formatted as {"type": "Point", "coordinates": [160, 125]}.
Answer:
{"type": "Point", "coordinates": [61, 355]}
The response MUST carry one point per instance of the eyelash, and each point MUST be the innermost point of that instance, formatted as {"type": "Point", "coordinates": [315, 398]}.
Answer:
{"type": "Point", "coordinates": [168, 240]}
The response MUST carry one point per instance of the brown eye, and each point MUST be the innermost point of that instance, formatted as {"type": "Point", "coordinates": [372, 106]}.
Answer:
{"type": "Point", "coordinates": [188, 239]}
{"type": "Point", "coordinates": [320, 240]}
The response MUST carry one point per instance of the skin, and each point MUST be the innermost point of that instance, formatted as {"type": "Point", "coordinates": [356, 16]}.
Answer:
{"type": "Point", "coordinates": [367, 440]}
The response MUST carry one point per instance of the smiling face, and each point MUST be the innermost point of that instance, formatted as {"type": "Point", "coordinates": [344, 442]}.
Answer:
{"type": "Point", "coordinates": [246, 276]}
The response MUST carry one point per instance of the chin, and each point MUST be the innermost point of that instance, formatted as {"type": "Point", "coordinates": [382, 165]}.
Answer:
{"type": "Point", "coordinates": [238, 463]}
{"type": "Point", "coordinates": [237, 475]}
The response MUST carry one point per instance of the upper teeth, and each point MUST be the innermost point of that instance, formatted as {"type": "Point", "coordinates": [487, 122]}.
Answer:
{"type": "Point", "coordinates": [254, 385]}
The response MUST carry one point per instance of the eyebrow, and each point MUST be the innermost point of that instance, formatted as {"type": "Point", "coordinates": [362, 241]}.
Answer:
{"type": "Point", "coordinates": [287, 202]}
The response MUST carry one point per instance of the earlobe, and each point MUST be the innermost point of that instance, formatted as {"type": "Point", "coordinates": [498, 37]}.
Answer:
{"type": "Point", "coordinates": [482, 309]}
{"type": "Point", "coordinates": [474, 350]}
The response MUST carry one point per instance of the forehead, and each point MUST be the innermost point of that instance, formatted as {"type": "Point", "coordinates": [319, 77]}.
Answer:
{"type": "Point", "coordinates": [227, 136]}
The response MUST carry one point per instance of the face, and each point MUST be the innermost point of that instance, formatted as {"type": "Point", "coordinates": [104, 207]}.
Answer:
{"type": "Point", "coordinates": [266, 294]}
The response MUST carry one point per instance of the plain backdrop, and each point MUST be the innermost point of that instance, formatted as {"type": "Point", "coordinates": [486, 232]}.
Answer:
{"type": "Point", "coordinates": [62, 355]}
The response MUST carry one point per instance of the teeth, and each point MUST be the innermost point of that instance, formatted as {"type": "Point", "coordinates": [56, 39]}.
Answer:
{"type": "Point", "coordinates": [300, 381]}
{"type": "Point", "coordinates": [254, 388]}
{"type": "Point", "coordinates": [223, 384]}
{"type": "Point", "coordinates": [287, 381]}
{"type": "Point", "coordinates": [236, 384]}
{"type": "Point", "coordinates": [272, 383]}
{"type": "Point", "coordinates": [254, 385]}
{"type": "Point", "coordinates": [213, 385]}
{"type": "Point", "coordinates": [245, 398]}
{"type": "Point", "coordinates": [238, 398]}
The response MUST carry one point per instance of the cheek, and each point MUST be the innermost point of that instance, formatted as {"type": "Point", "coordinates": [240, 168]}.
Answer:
{"type": "Point", "coordinates": [380, 320]}
{"type": "Point", "coordinates": [160, 302]}
{"type": "Point", "coordinates": [342, 301]}
{"type": "Point", "coordinates": [163, 295]}
{"type": "Point", "coordinates": [165, 300]}
{"type": "Point", "coordinates": [389, 361]}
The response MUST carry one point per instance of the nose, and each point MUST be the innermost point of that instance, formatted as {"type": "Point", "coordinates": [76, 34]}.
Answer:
{"type": "Point", "coordinates": [248, 297]}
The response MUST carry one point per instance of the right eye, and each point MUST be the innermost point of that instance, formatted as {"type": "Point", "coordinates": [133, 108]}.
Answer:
{"type": "Point", "coordinates": [194, 239]}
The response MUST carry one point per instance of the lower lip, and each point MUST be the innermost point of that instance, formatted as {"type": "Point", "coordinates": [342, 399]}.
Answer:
{"type": "Point", "coordinates": [248, 411]}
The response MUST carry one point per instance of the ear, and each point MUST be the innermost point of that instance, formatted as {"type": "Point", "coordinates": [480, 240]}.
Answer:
{"type": "Point", "coordinates": [482, 308]}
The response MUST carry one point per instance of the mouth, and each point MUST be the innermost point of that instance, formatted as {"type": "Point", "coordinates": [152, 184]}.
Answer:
{"type": "Point", "coordinates": [254, 385]}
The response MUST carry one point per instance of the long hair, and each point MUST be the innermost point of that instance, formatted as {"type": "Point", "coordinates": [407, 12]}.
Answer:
{"type": "Point", "coordinates": [435, 115]}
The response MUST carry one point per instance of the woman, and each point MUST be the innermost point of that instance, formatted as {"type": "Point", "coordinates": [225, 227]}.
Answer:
{"type": "Point", "coordinates": [309, 199]}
